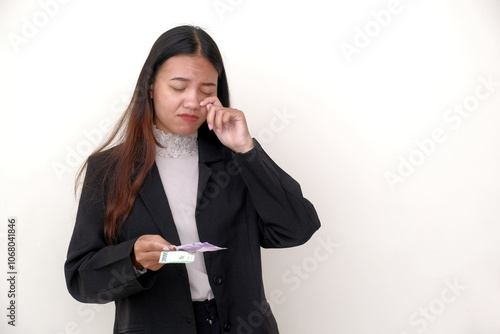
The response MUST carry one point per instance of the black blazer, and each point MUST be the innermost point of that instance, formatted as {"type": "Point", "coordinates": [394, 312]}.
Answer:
{"type": "Point", "coordinates": [245, 201]}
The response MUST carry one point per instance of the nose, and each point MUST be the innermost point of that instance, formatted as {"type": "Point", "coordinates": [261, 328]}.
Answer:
{"type": "Point", "coordinates": [191, 100]}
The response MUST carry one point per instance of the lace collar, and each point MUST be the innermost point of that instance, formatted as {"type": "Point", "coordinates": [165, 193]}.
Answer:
{"type": "Point", "coordinates": [175, 146]}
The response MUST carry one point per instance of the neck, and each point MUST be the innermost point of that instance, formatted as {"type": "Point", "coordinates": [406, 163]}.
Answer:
{"type": "Point", "coordinates": [175, 146]}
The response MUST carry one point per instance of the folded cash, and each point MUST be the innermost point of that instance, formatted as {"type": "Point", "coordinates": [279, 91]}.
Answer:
{"type": "Point", "coordinates": [186, 253]}
{"type": "Point", "coordinates": [199, 247]}
{"type": "Point", "coordinates": [176, 257]}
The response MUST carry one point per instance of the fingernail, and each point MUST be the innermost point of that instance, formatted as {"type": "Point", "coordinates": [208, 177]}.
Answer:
{"type": "Point", "coordinates": [209, 126]}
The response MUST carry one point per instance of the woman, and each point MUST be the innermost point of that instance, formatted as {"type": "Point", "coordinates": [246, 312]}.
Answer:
{"type": "Point", "coordinates": [186, 169]}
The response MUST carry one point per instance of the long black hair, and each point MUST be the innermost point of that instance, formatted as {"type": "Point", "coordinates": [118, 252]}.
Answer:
{"type": "Point", "coordinates": [136, 151]}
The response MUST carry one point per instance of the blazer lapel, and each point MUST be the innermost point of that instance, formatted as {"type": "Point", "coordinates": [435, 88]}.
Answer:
{"type": "Point", "coordinates": [155, 199]}
{"type": "Point", "coordinates": [208, 154]}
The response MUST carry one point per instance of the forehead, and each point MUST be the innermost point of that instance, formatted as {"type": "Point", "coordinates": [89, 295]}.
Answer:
{"type": "Point", "coordinates": [190, 67]}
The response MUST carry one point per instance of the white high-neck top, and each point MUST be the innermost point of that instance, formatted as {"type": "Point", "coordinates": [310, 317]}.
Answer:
{"type": "Point", "coordinates": [177, 162]}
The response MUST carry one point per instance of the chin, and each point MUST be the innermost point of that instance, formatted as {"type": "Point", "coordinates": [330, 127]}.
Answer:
{"type": "Point", "coordinates": [186, 131]}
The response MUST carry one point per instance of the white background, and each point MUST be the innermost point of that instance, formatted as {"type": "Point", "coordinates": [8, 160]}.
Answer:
{"type": "Point", "coordinates": [338, 121]}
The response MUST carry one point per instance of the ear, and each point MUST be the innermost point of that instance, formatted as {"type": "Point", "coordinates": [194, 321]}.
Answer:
{"type": "Point", "coordinates": [151, 91]}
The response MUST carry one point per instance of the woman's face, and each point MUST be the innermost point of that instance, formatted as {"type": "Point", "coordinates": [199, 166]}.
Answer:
{"type": "Point", "coordinates": [182, 82]}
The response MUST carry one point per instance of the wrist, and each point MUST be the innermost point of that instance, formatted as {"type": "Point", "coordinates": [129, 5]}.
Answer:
{"type": "Point", "coordinates": [245, 148]}
{"type": "Point", "coordinates": [135, 263]}
{"type": "Point", "coordinates": [139, 272]}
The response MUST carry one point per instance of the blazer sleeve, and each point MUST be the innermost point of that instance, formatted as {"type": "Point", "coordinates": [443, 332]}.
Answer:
{"type": "Point", "coordinates": [286, 218]}
{"type": "Point", "coordinates": [95, 271]}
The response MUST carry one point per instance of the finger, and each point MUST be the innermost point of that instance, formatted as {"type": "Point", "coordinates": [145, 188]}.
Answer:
{"type": "Point", "coordinates": [146, 258]}
{"type": "Point", "coordinates": [219, 124]}
{"type": "Point", "coordinates": [148, 243]}
{"type": "Point", "coordinates": [211, 100]}
{"type": "Point", "coordinates": [157, 241]}
{"type": "Point", "coordinates": [210, 116]}
{"type": "Point", "coordinates": [157, 267]}
{"type": "Point", "coordinates": [150, 246]}
{"type": "Point", "coordinates": [154, 266]}
{"type": "Point", "coordinates": [227, 117]}
{"type": "Point", "coordinates": [149, 260]}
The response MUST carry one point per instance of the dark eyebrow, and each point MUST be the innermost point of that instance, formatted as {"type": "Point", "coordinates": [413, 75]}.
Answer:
{"type": "Point", "coordinates": [187, 80]}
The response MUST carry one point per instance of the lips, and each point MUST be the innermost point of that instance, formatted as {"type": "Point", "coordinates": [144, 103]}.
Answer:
{"type": "Point", "coordinates": [189, 117]}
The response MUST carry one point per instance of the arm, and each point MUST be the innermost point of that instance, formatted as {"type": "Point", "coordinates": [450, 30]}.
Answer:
{"type": "Point", "coordinates": [286, 218]}
{"type": "Point", "coordinates": [95, 271]}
